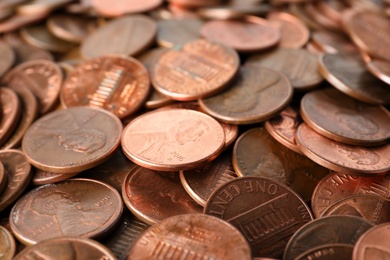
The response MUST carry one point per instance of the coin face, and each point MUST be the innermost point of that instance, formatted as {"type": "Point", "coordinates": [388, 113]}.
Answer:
{"type": "Point", "coordinates": [81, 138]}
{"type": "Point", "coordinates": [10, 113]}
{"type": "Point", "coordinates": [112, 9]}
{"type": "Point", "coordinates": [333, 42]}
{"type": "Point", "coordinates": [197, 235]}
{"type": "Point", "coordinates": [372, 244]}
{"type": "Point", "coordinates": [177, 31]}
{"type": "Point", "coordinates": [173, 139]}
{"type": "Point", "coordinates": [7, 244]}
{"type": "Point", "coordinates": [77, 207]}
{"type": "Point", "coordinates": [331, 251]}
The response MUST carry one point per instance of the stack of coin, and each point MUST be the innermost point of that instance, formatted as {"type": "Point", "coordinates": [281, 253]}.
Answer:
{"type": "Point", "coordinates": [223, 129]}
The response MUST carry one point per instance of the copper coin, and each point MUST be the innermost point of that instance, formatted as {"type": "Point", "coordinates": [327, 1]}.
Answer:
{"type": "Point", "coordinates": [76, 207]}
{"type": "Point", "coordinates": [177, 31]}
{"type": "Point", "coordinates": [369, 31]}
{"type": "Point", "coordinates": [114, 83]}
{"type": "Point", "coordinates": [320, 18]}
{"type": "Point", "coordinates": [196, 69]}
{"type": "Point", "coordinates": [43, 77]}
{"type": "Point", "coordinates": [337, 186]}
{"type": "Point", "coordinates": [256, 153]}
{"type": "Point", "coordinates": [312, 48]}
{"type": "Point", "coordinates": [25, 52]}
{"type": "Point", "coordinates": [299, 65]}
{"type": "Point", "coordinates": [373, 244]}
{"type": "Point", "coordinates": [173, 139]}
{"type": "Point", "coordinates": [194, 4]}
{"type": "Point", "coordinates": [299, 11]}
{"type": "Point", "coordinates": [333, 42]}
{"type": "Point", "coordinates": [192, 235]}
{"type": "Point", "coordinates": [7, 244]}
{"type": "Point", "coordinates": [380, 69]}
{"type": "Point", "coordinates": [349, 74]}
{"type": "Point", "coordinates": [265, 211]}
{"type": "Point", "coordinates": [18, 21]}
{"type": "Point", "coordinates": [341, 157]}
{"type": "Point", "coordinates": [7, 57]}
{"type": "Point", "coordinates": [341, 118]}
{"type": "Point", "coordinates": [41, 6]}
{"type": "Point", "coordinates": [118, 8]}
{"type": "Point", "coordinates": [256, 95]}
{"type": "Point", "coordinates": [294, 33]}
{"type": "Point", "coordinates": [283, 127]}
{"type": "Point", "coordinates": [371, 207]}
{"type": "Point", "coordinates": [153, 198]}
{"type": "Point", "coordinates": [202, 181]}
{"type": "Point", "coordinates": [67, 248]}
{"type": "Point", "coordinates": [232, 11]}
{"type": "Point", "coordinates": [333, 229]}
{"type": "Point", "coordinates": [327, 252]}
{"type": "Point", "coordinates": [43, 177]}
{"type": "Point", "coordinates": [127, 35]}
{"type": "Point", "coordinates": [248, 34]}
{"type": "Point", "coordinates": [80, 137]}
{"type": "Point", "coordinates": [10, 113]}
{"type": "Point", "coordinates": [3, 178]}
{"type": "Point", "coordinates": [10, 3]}
{"type": "Point", "coordinates": [19, 174]}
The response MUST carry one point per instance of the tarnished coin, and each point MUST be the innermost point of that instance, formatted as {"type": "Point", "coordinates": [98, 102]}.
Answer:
{"type": "Point", "coordinates": [373, 244]}
{"type": "Point", "coordinates": [265, 211]}
{"type": "Point", "coordinates": [3, 178]}
{"type": "Point", "coordinates": [380, 69]}
{"type": "Point", "coordinates": [333, 42]}
{"type": "Point", "coordinates": [7, 57]}
{"type": "Point", "coordinates": [67, 248]}
{"type": "Point", "coordinates": [196, 69]}
{"type": "Point", "coordinates": [10, 111]}
{"type": "Point", "coordinates": [327, 252]}
{"type": "Point", "coordinates": [256, 95]}
{"type": "Point", "coordinates": [348, 74]}
{"type": "Point", "coordinates": [118, 8]}
{"type": "Point", "coordinates": [127, 35]}
{"type": "Point", "coordinates": [153, 198]}
{"type": "Point", "coordinates": [25, 52]}
{"type": "Point", "coordinates": [177, 31]}
{"type": "Point", "coordinates": [248, 34]}
{"type": "Point", "coordinates": [299, 65]}
{"type": "Point", "coordinates": [18, 21]}
{"type": "Point", "coordinates": [333, 229]}
{"type": "Point", "coordinates": [320, 18]}
{"type": "Point", "coordinates": [172, 139]}
{"type": "Point", "coordinates": [76, 207]}
{"type": "Point", "coordinates": [114, 83]}
{"type": "Point", "coordinates": [341, 157]}
{"type": "Point", "coordinates": [344, 119]}
{"type": "Point", "coordinates": [80, 137]}
{"type": "Point", "coordinates": [43, 177]}
{"type": "Point", "coordinates": [192, 235]}
{"type": "Point", "coordinates": [7, 244]}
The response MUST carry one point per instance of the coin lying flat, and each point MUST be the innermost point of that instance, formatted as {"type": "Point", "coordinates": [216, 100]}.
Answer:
{"type": "Point", "coordinates": [380, 69]}
{"type": "Point", "coordinates": [372, 244]}
{"type": "Point", "coordinates": [42, 177]}
{"type": "Point", "coordinates": [118, 8]}
{"type": "Point", "coordinates": [332, 42]}
{"type": "Point", "coordinates": [7, 242]}
{"type": "Point", "coordinates": [177, 31]}
{"type": "Point", "coordinates": [328, 252]}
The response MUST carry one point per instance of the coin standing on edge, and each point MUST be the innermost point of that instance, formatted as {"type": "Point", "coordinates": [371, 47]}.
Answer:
{"type": "Point", "coordinates": [109, 8]}
{"type": "Point", "coordinates": [177, 31]}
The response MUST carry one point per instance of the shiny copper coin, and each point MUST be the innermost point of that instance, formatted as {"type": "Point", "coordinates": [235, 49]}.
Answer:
{"type": "Point", "coordinates": [299, 65]}
{"type": "Point", "coordinates": [337, 186]}
{"type": "Point", "coordinates": [294, 33]}
{"type": "Point", "coordinates": [196, 69]}
{"type": "Point", "coordinates": [114, 83]}
{"type": "Point", "coordinates": [3, 178]}
{"type": "Point", "coordinates": [283, 127]}
{"type": "Point", "coordinates": [192, 235]}
{"type": "Point", "coordinates": [19, 21]}
{"type": "Point", "coordinates": [127, 35]}
{"type": "Point", "coordinates": [118, 8]}
{"type": "Point", "coordinates": [341, 157]}
{"type": "Point", "coordinates": [202, 181]}
{"type": "Point", "coordinates": [327, 252]}
{"type": "Point", "coordinates": [41, 6]}
{"type": "Point", "coordinates": [245, 35]}
{"type": "Point", "coordinates": [76, 207]}
{"type": "Point", "coordinates": [333, 229]}
{"type": "Point", "coordinates": [19, 174]}
{"type": "Point", "coordinates": [256, 153]}
{"type": "Point", "coordinates": [373, 244]}
{"type": "Point", "coordinates": [177, 31]}
{"type": "Point", "coordinates": [153, 198]}
{"type": "Point", "coordinates": [233, 11]}
{"type": "Point", "coordinates": [194, 4]}
{"type": "Point", "coordinates": [7, 57]}
{"type": "Point", "coordinates": [332, 42]}
{"type": "Point", "coordinates": [7, 244]}
{"type": "Point", "coordinates": [10, 113]}
{"type": "Point", "coordinates": [43, 77]}
{"type": "Point", "coordinates": [344, 119]}
{"type": "Point", "coordinates": [256, 95]}
{"type": "Point", "coordinates": [42, 177]}
{"type": "Point", "coordinates": [80, 137]}
{"type": "Point", "coordinates": [265, 211]}
{"type": "Point", "coordinates": [349, 74]}
{"type": "Point", "coordinates": [380, 69]}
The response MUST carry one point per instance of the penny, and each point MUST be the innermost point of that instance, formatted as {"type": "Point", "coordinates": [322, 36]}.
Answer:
{"type": "Point", "coordinates": [299, 11]}
{"type": "Point", "coordinates": [173, 139]}
{"type": "Point", "coordinates": [111, 9]}
{"type": "Point", "coordinates": [153, 198]}
{"type": "Point", "coordinates": [7, 58]}
{"type": "Point", "coordinates": [192, 235]}
{"type": "Point", "coordinates": [10, 113]}
{"type": "Point", "coordinates": [372, 244]}
{"type": "Point", "coordinates": [194, 4]}
{"type": "Point", "coordinates": [256, 95]}
{"type": "Point", "coordinates": [7, 244]}
{"type": "Point", "coordinates": [43, 77]}
{"type": "Point", "coordinates": [348, 74]}
{"type": "Point", "coordinates": [283, 127]}
{"type": "Point", "coordinates": [10, 3]}
{"type": "Point", "coordinates": [76, 208]}
{"type": "Point", "coordinates": [202, 181]}
{"type": "Point", "coordinates": [67, 248]}
{"type": "Point", "coordinates": [380, 69]}
{"type": "Point", "coordinates": [177, 31]}
{"type": "Point", "coordinates": [42, 177]}
{"type": "Point", "coordinates": [115, 83]}
{"type": "Point", "coordinates": [337, 186]}
{"type": "Point", "coordinates": [196, 69]}
{"type": "Point", "coordinates": [248, 34]}
{"type": "Point", "coordinates": [41, 6]}
{"type": "Point", "coordinates": [128, 35]}
{"type": "Point", "coordinates": [328, 252]}
{"type": "Point", "coordinates": [19, 21]}
{"type": "Point", "coordinates": [80, 137]}
{"type": "Point", "coordinates": [3, 178]}
{"type": "Point", "coordinates": [265, 211]}
{"type": "Point", "coordinates": [339, 229]}
{"type": "Point", "coordinates": [294, 33]}
{"type": "Point", "coordinates": [232, 11]}
{"type": "Point", "coordinates": [344, 119]}
{"type": "Point", "coordinates": [299, 65]}
{"type": "Point", "coordinates": [18, 172]}
{"type": "Point", "coordinates": [341, 157]}
{"type": "Point", "coordinates": [256, 153]}
{"type": "Point", "coordinates": [319, 17]}
{"type": "Point", "coordinates": [26, 53]}
{"type": "Point", "coordinates": [333, 42]}
{"type": "Point", "coordinates": [332, 9]}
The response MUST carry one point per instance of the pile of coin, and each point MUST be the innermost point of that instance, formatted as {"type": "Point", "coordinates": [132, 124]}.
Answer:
{"type": "Point", "coordinates": [194, 129]}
